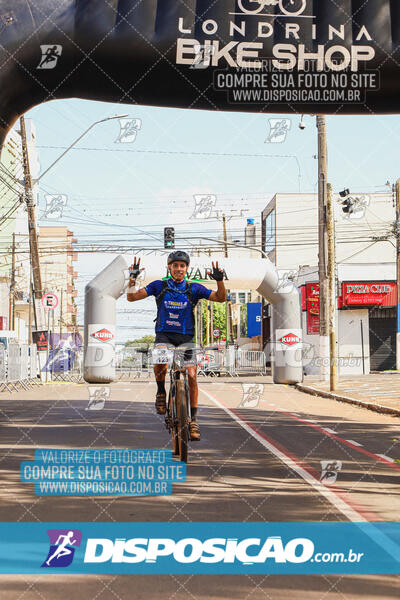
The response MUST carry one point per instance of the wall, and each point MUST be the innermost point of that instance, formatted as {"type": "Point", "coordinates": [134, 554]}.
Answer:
{"type": "Point", "coordinates": [297, 230]}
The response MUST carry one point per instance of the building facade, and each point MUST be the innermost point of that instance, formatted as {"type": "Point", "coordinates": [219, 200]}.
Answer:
{"type": "Point", "coordinates": [57, 257]}
{"type": "Point", "coordinates": [365, 271]}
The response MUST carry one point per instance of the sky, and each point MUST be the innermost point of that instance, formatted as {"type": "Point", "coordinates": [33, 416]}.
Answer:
{"type": "Point", "coordinates": [128, 192]}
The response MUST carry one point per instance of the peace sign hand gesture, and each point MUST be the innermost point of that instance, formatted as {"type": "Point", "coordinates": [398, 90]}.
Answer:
{"type": "Point", "coordinates": [134, 270]}
{"type": "Point", "coordinates": [217, 273]}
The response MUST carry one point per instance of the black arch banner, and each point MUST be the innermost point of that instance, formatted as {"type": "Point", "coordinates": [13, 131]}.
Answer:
{"type": "Point", "coordinates": [313, 56]}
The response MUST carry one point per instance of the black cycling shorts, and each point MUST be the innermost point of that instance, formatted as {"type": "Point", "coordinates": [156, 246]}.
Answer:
{"type": "Point", "coordinates": [175, 339]}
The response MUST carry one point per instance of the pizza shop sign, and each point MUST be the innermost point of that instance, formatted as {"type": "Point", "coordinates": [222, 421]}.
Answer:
{"type": "Point", "coordinates": [382, 293]}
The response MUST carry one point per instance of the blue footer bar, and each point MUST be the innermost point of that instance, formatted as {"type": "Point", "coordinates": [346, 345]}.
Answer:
{"type": "Point", "coordinates": [213, 548]}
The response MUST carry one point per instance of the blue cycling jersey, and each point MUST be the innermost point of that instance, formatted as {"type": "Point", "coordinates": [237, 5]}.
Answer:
{"type": "Point", "coordinates": [175, 312]}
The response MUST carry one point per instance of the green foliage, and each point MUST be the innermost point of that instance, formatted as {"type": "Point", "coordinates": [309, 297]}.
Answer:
{"type": "Point", "coordinates": [146, 340]}
{"type": "Point", "coordinates": [219, 319]}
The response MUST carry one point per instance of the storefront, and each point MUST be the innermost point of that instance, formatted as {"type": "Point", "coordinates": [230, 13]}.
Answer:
{"type": "Point", "coordinates": [366, 325]}
{"type": "Point", "coordinates": [379, 297]}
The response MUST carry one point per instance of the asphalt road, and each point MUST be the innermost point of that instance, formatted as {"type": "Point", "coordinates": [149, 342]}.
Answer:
{"type": "Point", "coordinates": [260, 462]}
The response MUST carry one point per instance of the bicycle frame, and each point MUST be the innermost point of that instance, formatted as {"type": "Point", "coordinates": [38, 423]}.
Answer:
{"type": "Point", "coordinates": [178, 413]}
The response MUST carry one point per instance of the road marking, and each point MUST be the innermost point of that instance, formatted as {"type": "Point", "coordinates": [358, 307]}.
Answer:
{"type": "Point", "coordinates": [292, 462]}
{"type": "Point", "coordinates": [386, 457]}
{"type": "Point", "coordinates": [356, 446]}
{"type": "Point", "coordinates": [328, 429]}
{"type": "Point", "coordinates": [353, 442]}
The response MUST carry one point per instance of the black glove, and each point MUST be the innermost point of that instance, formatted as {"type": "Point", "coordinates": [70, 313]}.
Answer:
{"type": "Point", "coordinates": [134, 270]}
{"type": "Point", "coordinates": [217, 273]}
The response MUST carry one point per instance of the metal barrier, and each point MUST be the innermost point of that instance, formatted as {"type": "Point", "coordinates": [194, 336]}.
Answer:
{"type": "Point", "coordinates": [23, 366]}
{"type": "Point", "coordinates": [250, 361]}
{"type": "Point", "coordinates": [13, 365]}
{"type": "Point", "coordinates": [33, 364]}
{"type": "Point", "coordinates": [69, 367]}
{"type": "Point", "coordinates": [3, 369]}
{"type": "Point", "coordinates": [24, 358]}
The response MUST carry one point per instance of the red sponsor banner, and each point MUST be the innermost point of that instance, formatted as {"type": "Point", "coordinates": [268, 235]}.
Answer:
{"type": "Point", "coordinates": [369, 293]}
{"type": "Point", "coordinates": [312, 305]}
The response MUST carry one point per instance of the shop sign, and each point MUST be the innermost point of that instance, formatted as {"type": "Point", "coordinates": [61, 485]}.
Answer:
{"type": "Point", "coordinates": [312, 306]}
{"type": "Point", "coordinates": [367, 293]}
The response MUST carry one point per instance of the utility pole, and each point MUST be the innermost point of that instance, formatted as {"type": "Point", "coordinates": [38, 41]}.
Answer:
{"type": "Point", "coordinates": [207, 323]}
{"type": "Point", "coordinates": [33, 241]}
{"type": "Point", "coordinates": [199, 324]}
{"type": "Point", "coordinates": [323, 249]}
{"type": "Point", "coordinates": [11, 318]}
{"type": "Point", "coordinates": [61, 311]}
{"type": "Point", "coordinates": [229, 332]}
{"type": "Point", "coordinates": [398, 272]}
{"type": "Point", "coordinates": [212, 322]}
{"type": "Point", "coordinates": [332, 292]}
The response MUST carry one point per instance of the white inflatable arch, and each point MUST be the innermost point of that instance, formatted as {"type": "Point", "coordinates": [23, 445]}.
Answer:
{"type": "Point", "coordinates": [261, 275]}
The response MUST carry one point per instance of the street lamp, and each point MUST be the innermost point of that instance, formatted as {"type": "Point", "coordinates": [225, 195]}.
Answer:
{"type": "Point", "coordinates": [75, 142]}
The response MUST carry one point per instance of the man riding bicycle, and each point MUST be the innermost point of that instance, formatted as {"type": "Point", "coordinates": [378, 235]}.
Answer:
{"type": "Point", "coordinates": [176, 299]}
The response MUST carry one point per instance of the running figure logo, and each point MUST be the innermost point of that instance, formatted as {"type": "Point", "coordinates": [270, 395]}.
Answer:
{"type": "Point", "coordinates": [61, 551]}
{"type": "Point", "coordinates": [330, 470]}
{"type": "Point", "coordinates": [54, 206]}
{"type": "Point", "coordinates": [204, 205]}
{"type": "Point", "coordinates": [50, 56]}
{"type": "Point", "coordinates": [278, 130]}
{"type": "Point", "coordinates": [98, 397]}
{"type": "Point", "coordinates": [251, 395]}
{"type": "Point", "coordinates": [128, 130]}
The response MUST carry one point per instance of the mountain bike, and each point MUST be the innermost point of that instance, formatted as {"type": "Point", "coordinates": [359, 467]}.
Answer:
{"type": "Point", "coordinates": [287, 7]}
{"type": "Point", "coordinates": [178, 413]}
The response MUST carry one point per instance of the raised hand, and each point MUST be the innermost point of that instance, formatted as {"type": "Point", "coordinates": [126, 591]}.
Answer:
{"type": "Point", "coordinates": [134, 269]}
{"type": "Point", "coordinates": [217, 273]}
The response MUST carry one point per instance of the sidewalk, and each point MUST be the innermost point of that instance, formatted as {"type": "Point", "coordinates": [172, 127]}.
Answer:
{"type": "Point", "coordinates": [379, 392]}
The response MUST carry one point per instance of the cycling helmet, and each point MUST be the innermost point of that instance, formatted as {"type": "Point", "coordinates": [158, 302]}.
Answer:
{"type": "Point", "coordinates": [179, 255]}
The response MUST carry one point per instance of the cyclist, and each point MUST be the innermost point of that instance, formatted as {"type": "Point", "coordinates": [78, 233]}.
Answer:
{"type": "Point", "coordinates": [176, 299]}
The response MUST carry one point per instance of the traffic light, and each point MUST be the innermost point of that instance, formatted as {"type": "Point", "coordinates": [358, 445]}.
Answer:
{"type": "Point", "coordinates": [169, 237]}
{"type": "Point", "coordinates": [348, 206]}
{"type": "Point", "coordinates": [347, 202]}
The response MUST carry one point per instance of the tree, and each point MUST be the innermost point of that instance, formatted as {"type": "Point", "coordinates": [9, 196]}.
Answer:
{"type": "Point", "coordinates": [145, 341]}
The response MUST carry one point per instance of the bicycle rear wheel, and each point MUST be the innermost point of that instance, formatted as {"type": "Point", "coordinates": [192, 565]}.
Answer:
{"type": "Point", "coordinates": [181, 410]}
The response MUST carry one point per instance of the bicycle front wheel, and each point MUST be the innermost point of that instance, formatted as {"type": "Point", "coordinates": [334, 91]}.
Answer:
{"type": "Point", "coordinates": [181, 411]}
{"type": "Point", "coordinates": [174, 423]}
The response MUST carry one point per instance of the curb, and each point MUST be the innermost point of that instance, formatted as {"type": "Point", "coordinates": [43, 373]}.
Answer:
{"type": "Point", "coordinates": [380, 408]}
